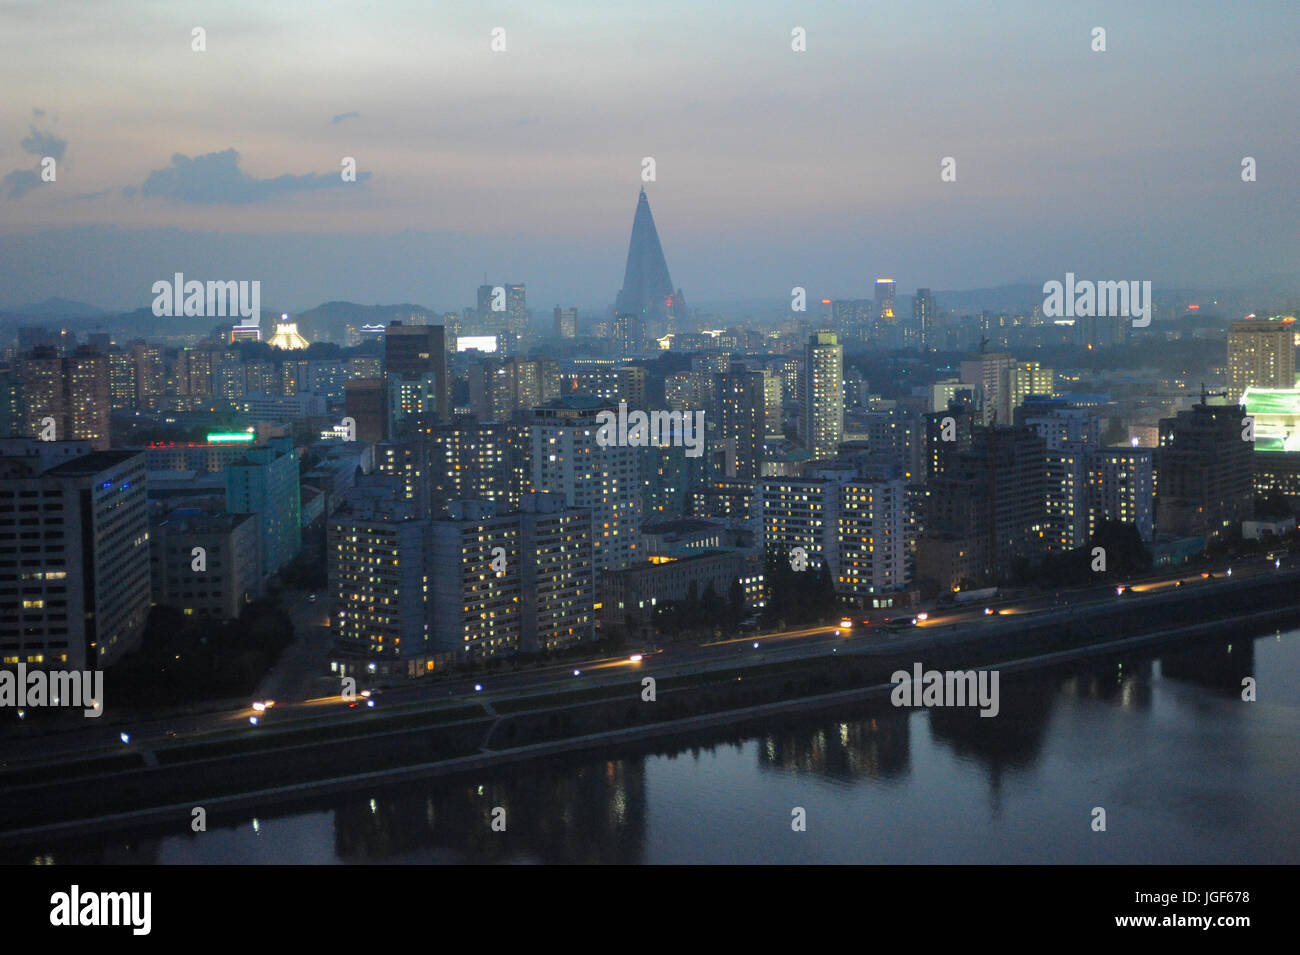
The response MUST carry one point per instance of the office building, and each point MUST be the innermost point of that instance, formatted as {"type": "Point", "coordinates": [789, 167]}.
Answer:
{"type": "Point", "coordinates": [264, 482]}
{"type": "Point", "coordinates": [219, 579]}
{"type": "Point", "coordinates": [632, 596]}
{"type": "Point", "coordinates": [74, 555]}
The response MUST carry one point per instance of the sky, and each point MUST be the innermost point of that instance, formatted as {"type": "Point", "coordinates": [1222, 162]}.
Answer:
{"type": "Point", "coordinates": [773, 168]}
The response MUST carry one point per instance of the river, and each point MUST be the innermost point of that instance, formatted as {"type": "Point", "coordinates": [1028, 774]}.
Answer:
{"type": "Point", "coordinates": [1162, 741]}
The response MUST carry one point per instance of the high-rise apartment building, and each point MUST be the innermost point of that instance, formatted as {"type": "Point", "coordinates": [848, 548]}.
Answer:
{"type": "Point", "coordinates": [886, 317]}
{"type": "Point", "coordinates": [1025, 378]}
{"type": "Point", "coordinates": [366, 403]}
{"type": "Point", "coordinates": [473, 460]}
{"type": "Point", "coordinates": [476, 570]}
{"type": "Point", "coordinates": [1121, 487]}
{"type": "Point", "coordinates": [743, 418]}
{"type": "Point", "coordinates": [988, 374]}
{"type": "Point", "coordinates": [150, 374]}
{"type": "Point", "coordinates": [922, 331]}
{"type": "Point", "coordinates": [558, 576]}
{"type": "Point", "coordinates": [418, 353]}
{"type": "Point", "coordinates": [379, 558]}
{"type": "Point", "coordinates": [1203, 471]}
{"type": "Point", "coordinates": [121, 380]}
{"type": "Point", "coordinates": [823, 403]}
{"type": "Point", "coordinates": [846, 517]}
{"type": "Point", "coordinates": [1261, 354]}
{"type": "Point", "coordinates": [516, 309]}
{"type": "Point", "coordinates": [631, 386]}
{"type": "Point", "coordinates": [984, 512]}
{"type": "Point", "coordinates": [564, 457]}
{"type": "Point", "coordinates": [1070, 435]}
{"type": "Point", "coordinates": [566, 322]}
{"type": "Point", "coordinates": [72, 392]}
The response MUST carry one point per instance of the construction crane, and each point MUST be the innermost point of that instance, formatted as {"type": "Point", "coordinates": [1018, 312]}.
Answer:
{"type": "Point", "coordinates": [1211, 394]}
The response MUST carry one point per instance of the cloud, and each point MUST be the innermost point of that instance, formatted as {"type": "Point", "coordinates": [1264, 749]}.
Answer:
{"type": "Point", "coordinates": [44, 143]}
{"type": "Point", "coordinates": [93, 195]}
{"type": "Point", "coordinates": [20, 182]}
{"type": "Point", "coordinates": [216, 179]}
{"type": "Point", "coordinates": [342, 116]}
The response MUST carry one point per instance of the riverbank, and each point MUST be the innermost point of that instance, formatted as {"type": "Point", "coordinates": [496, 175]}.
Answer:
{"type": "Point", "coordinates": [42, 802]}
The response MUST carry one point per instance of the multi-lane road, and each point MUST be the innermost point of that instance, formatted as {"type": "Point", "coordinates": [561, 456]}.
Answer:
{"type": "Point", "coordinates": [303, 695]}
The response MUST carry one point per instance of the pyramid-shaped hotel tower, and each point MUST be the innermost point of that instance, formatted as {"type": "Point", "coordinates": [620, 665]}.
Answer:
{"type": "Point", "coordinates": [648, 294]}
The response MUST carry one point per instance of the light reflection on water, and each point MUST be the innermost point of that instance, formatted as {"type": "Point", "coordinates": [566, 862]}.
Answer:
{"type": "Point", "coordinates": [1185, 770]}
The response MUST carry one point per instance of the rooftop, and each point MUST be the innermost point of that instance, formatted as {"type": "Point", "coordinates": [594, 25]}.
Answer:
{"type": "Point", "coordinates": [93, 463]}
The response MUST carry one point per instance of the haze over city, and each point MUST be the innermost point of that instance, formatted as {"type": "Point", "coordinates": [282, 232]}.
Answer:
{"type": "Point", "coordinates": [774, 168]}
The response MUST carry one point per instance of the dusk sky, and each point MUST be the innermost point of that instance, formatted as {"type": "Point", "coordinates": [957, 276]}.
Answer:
{"type": "Point", "coordinates": [774, 168]}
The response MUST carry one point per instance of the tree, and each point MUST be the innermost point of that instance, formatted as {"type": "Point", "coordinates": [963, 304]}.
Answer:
{"type": "Point", "coordinates": [1272, 505]}
{"type": "Point", "coordinates": [1126, 553]}
{"type": "Point", "coordinates": [710, 604]}
{"type": "Point", "coordinates": [735, 603]}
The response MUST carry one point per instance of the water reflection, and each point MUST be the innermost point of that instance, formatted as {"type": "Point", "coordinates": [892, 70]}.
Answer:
{"type": "Point", "coordinates": [939, 763]}
{"type": "Point", "coordinates": [871, 746]}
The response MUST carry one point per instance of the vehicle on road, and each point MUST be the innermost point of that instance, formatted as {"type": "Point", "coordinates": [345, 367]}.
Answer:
{"type": "Point", "coordinates": [895, 624]}
{"type": "Point", "coordinates": [975, 596]}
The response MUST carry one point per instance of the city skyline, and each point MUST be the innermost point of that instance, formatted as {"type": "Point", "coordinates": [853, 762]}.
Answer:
{"type": "Point", "coordinates": [641, 433]}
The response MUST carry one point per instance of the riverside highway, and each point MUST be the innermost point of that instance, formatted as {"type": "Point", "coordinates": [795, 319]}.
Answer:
{"type": "Point", "coordinates": [299, 703]}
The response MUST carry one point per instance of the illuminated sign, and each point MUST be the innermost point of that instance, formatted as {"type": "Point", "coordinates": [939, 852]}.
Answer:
{"type": "Point", "coordinates": [476, 343]}
{"type": "Point", "coordinates": [229, 437]}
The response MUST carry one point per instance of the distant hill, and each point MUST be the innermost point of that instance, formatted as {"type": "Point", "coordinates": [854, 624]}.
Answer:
{"type": "Point", "coordinates": [1003, 298]}
{"type": "Point", "coordinates": [328, 321]}
{"type": "Point", "coordinates": [55, 308]}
